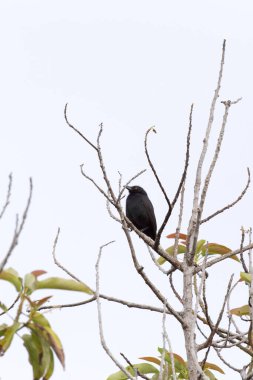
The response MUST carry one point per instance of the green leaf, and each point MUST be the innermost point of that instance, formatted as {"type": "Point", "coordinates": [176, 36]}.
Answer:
{"type": "Point", "coordinates": [170, 251]}
{"type": "Point", "coordinates": [199, 246]}
{"type": "Point", "coordinates": [11, 276]}
{"type": "Point", "coordinates": [50, 367]}
{"type": "Point", "coordinates": [210, 375]}
{"type": "Point", "coordinates": [213, 366]}
{"type": "Point", "coordinates": [239, 311]}
{"type": "Point", "coordinates": [3, 307]}
{"type": "Point", "coordinates": [143, 368]}
{"type": "Point", "coordinates": [30, 282]}
{"type": "Point", "coordinates": [245, 277]}
{"type": "Point", "coordinates": [180, 364]}
{"type": "Point", "coordinates": [7, 336]}
{"type": "Point", "coordinates": [39, 354]}
{"type": "Point", "coordinates": [217, 249]}
{"type": "Point", "coordinates": [3, 328]}
{"type": "Point", "coordinates": [63, 284]}
{"type": "Point", "coordinates": [40, 319]}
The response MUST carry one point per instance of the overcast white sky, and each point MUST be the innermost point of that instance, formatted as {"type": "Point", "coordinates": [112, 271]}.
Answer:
{"type": "Point", "coordinates": [131, 64]}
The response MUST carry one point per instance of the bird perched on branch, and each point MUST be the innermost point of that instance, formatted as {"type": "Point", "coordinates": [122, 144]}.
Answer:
{"type": "Point", "coordinates": [140, 211]}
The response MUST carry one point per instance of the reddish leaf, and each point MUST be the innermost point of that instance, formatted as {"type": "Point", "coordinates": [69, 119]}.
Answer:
{"type": "Point", "coordinates": [180, 236]}
{"type": "Point", "coordinates": [38, 272]}
{"type": "Point", "coordinates": [151, 359]}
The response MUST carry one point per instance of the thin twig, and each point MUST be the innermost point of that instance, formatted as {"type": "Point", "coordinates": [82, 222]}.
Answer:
{"type": "Point", "coordinates": [128, 182]}
{"type": "Point", "coordinates": [152, 166]}
{"type": "Point", "coordinates": [18, 228]}
{"type": "Point", "coordinates": [108, 298]}
{"type": "Point", "coordinates": [95, 184]}
{"type": "Point", "coordinates": [225, 256]}
{"type": "Point", "coordinates": [241, 254]}
{"type": "Point", "coordinates": [181, 183]}
{"type": "Point", "coordinates": [155, 261]}
{"type": "Point", "coordinates": [174, 289]}
{"type": "Point", "coordinates": [102, 167]}
{"type": "Point", "coordinates": [75, 129]}
{"type": "Point", "coordinates": [193, 227]}
{"type": "Point", "coordinates": [230, 204]}
{"type": "Point", "coordinates": [8, 196]}
{"type": "Point", "coordinates": [101, 333]}
{"type": "Point", "coordinates": [180, 216]}
{"type": "Point", "coordinates": [12, 305]}
{"type": "Point", "coordinates": [134, 368]}
{"type": "Point", "coordinates": [146, 279]}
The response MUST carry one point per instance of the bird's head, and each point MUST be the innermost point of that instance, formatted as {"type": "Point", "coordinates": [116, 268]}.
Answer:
{"type": "Point", "coordinates": [136, 190]}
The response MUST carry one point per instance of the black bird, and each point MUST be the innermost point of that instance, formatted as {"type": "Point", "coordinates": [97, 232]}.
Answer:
{"type": "Point", "coordinates": [140, 211]}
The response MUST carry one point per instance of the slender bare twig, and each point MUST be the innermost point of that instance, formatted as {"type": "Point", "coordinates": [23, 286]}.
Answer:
{"type": "Point", "coordinates": [96, 185]}
{"type": "Point", "coordinates": [181, 183]}
{"type": "Point", "coordinates": [12, 305]}
{"type": "Point", "coordinates": [162, 362]}
{"type": "Point", "coordinates": [108, 298]}
{"type": "Point", "coordinates": [250, 291]}
{"type": "Point", "coordinates": [57, 262]}
{"type": "Point", "coordinates": [180, 216]}
{"type": "Point", "coordinates": [174, 289]}
{"type": "Point", "coordinates": [128, 182]}
{"type": "Point", "coordinates": [193, 227]}
{"type": "Point", "coordinates": [164, 271]}
{"type": "Point", "coordinates": [146, 279]}
{"type": "Point", "coordinates": [152, 166]}
{"type": "Point", "coordinates": [151, 243]}
{"type": "Point", "coordinates": [75, 129]}
{"type": "Point", "coordinates": [18, 228]}
{"type": "Point", "coordinates": [225, 256]}
{"type": "Point", "coordinates": [101, 333]}
{"type": "Point", "coordinates": [110, 212]}
{"type": "Point", "coordinates": [102, 167]}
{"type": "Point", "coordinates": [8, 196]}
{"type": "Point", "coordinates": [169, 346]}
{"type": "Point", "coordinates": [138, 373]}
{"type": "Point", "coordinates": [226, 362]}
{"type": "Point", "coordinates": [241, 255]}
{"type": "Point", "coordinates": [213, 332]}
{"type": "Point", "coordinates": [230, 204]}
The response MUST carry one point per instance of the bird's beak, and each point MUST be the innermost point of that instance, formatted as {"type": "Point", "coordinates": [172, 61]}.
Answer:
{"type": "Point", "coordinates": [129, 188]}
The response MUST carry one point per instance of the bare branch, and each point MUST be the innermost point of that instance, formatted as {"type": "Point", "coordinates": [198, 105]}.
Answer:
{"type": "Point", "coordinates": [8, 195]}
{"type": "Point", "coordinates": [18, 228]}
{"type": "Point", "coordinates": [174, 289]}
{"type": "Point", "coordinates": [76, 130]}
{"type": "Point", "coordinates": [187, 157]}
{"type": "Point", "coordinates": [241, 254]}
{"type": "Point", "coordinates": [152, 166]}
{"type": "Point", "coordinates": [57, 262]}
{"type": "Point", "coordinates": [102, 166]}
{"type": "Point", "coordinates": [214, 330]}
{"type": "Point", "coordinates": [216, 154]}
{"type": "Point", "coordinates": [101, 333]}
{"type": "Point", "coordinates": [226, 256]}
{"type": "Point", "coordinates": [108, 298]}
{"type": "Point", "coordinates": [128, 182]}
{"type": "Point", "coordinates": [140, 270]}
{"type": "Point", "coordinates": [230, 204]}
{"type": "Point", "coordinates": [138, 373]}
{"type": "Point", "coordinates": [95, 184]}
{"type": "Point", "coordinates": [181, 208]}
{"type": "Point", "coordinates": [193, 227]}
